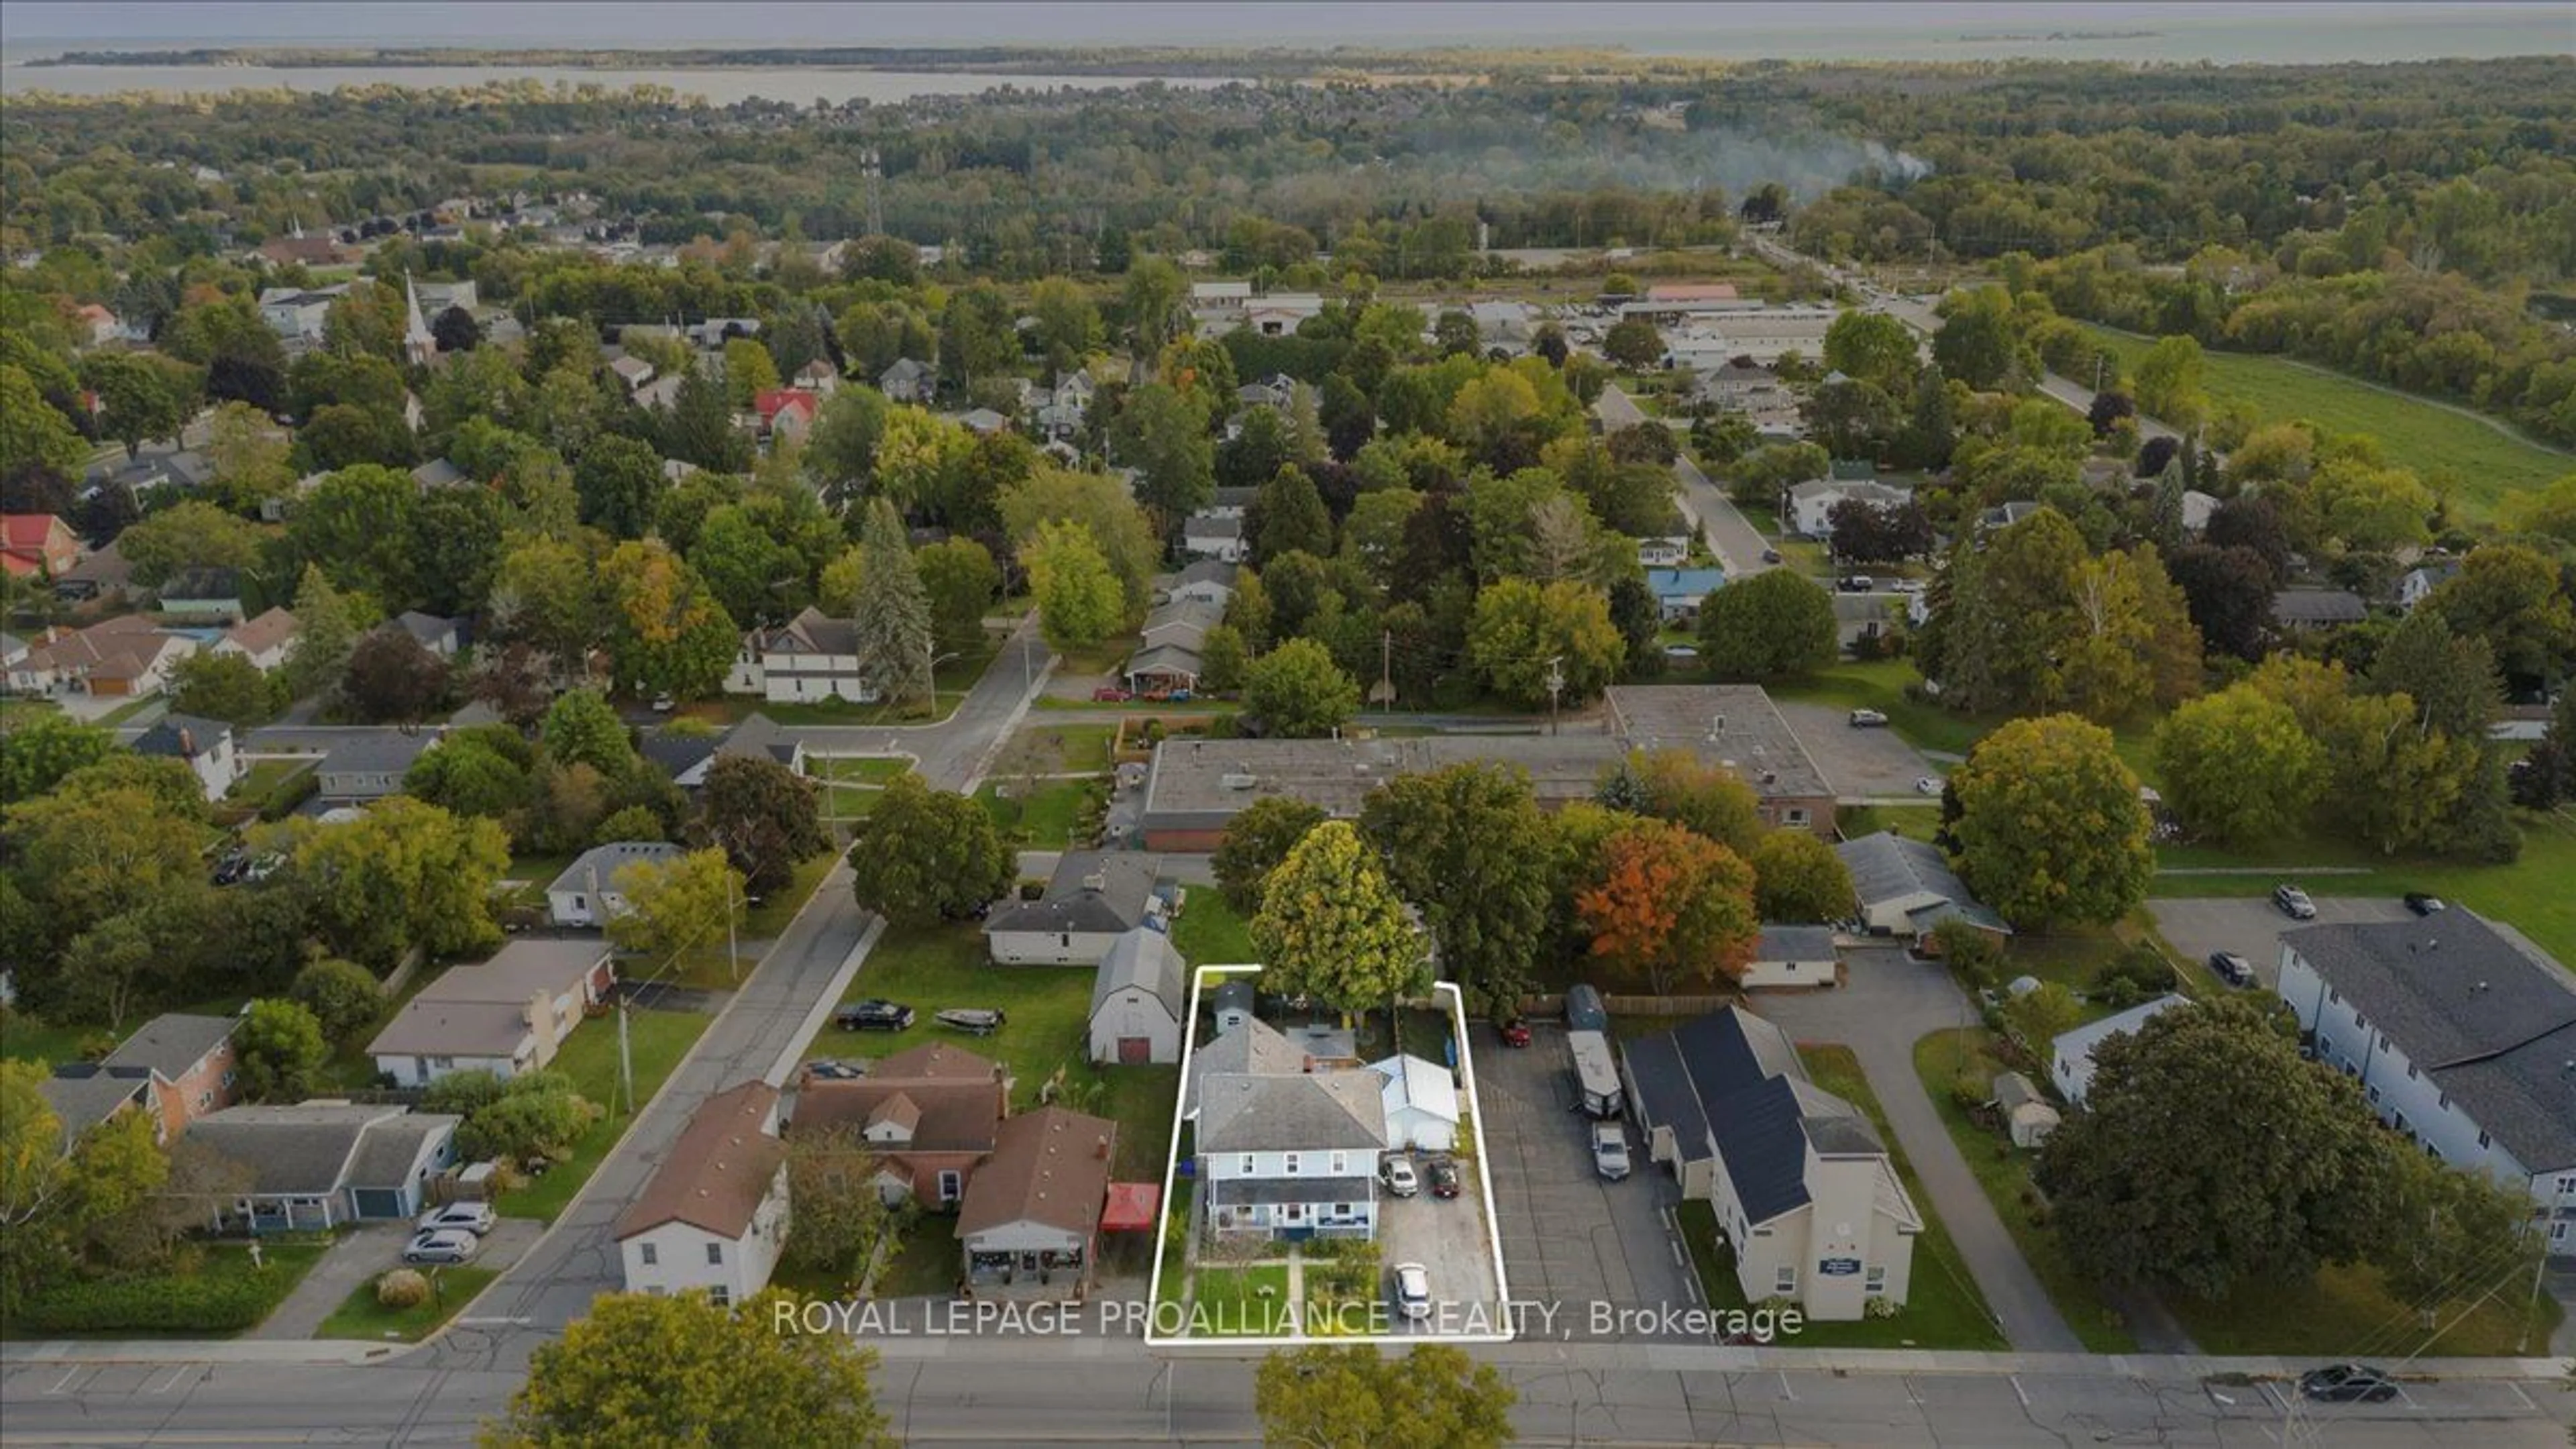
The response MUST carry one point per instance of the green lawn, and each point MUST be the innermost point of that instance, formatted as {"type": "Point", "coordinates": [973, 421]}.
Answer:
{"type": "Point", "coordinates": [2072, 959]}
{"type": "Point", "coordinates": [2482, 464]}
{"type": "Point", "coordinates": [2532, 893]}
{"type": "Point", "coordinates": [1047, 1037]}
{"type": "Point", "coordinates": [1914, 823]}
{"type": "Point", "coordinates": [658, 1040]}
{"type": "Point", "coordinates": [2004, 1173]}
{"type": "Point", "coordinates": [1943, 1308]}
{"type": "Point", "coordinates": [1047, 819]}
{"type": "Point", "coordinates": [1242, 1300]}
{"type": "Point", "coordinates": [765, 921]}
{"type": "Point", "coordinates": [201, 1302]}
{"type": "Point", "coordinates": [360, 1316]}
{"type": "Point", "coordinates": [850, 786]}
{"type": "Point", "coordinates": [264, 776]}
{"type": "Point", "coordinates": [24, 1038]}
{"type": "Point", "coordinates": [2346, 1310]}
{"type": "Point", "coordinates": [1209, 933]}
{"type": "Point", "coordinates": [1880, 685]}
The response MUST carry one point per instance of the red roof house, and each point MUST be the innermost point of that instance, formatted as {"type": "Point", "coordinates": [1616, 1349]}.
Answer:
{"type": "Point", "coordinates": [37, 543]}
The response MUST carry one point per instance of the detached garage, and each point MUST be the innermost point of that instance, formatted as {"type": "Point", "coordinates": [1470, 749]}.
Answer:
{"type": "Point", "coordinates": [1138, 1000]}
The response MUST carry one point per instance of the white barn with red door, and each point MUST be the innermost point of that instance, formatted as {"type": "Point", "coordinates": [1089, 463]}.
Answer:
{"type": "Point", "coordinates": [1138, 1001]}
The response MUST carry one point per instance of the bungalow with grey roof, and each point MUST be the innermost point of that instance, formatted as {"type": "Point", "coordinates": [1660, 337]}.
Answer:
{"type": "Point", "coordinates": [1095, 898]}
{"type": "Point", "coordinates": [587, 894]}
{"type": "Point", "coordinates": [507, 1016]}
{"type": "Point", "coordinates": [204, 745]}
{"type": "Point", "coordinates": [1906, 888]}
{"type": "Point", "coordinates": [371, 766]}
{"type": "Point", "coordinates": [2299, 610]}
{"type": "Point", "coordinates": [317, 1165]}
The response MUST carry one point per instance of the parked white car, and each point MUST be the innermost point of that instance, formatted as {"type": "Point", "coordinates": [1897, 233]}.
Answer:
{"type": "Point", "coordinates": [442, 1245]}
{"type": "Point", "coordinates": [472, 1217]}
{"type": "Point", "coordinates": [1413, 1290]}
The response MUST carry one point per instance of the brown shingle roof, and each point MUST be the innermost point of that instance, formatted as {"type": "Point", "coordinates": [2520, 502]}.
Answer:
{"type": "Point", "coordinates": [266, 632]}
{"type": "Point", "coordinates": [718, 1169]}
{"type": "Point", "coordinates": [1050, 1166]}
{"type": "Point", "coordinates": [959, 1097]}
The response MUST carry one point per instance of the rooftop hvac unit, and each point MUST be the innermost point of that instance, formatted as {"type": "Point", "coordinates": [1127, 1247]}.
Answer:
{"type": "Point", "coordinates": [1237, 780]}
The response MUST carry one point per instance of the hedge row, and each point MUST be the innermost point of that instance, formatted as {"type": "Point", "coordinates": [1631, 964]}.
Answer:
{"type": "Point", "coordinates": [207, 1302]}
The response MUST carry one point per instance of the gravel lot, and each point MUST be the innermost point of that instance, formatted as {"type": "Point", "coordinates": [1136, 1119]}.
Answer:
{"type": "Point", "coordinates": [1857, 762]}
{"type": "Point", "coordinates": [2251, 926]}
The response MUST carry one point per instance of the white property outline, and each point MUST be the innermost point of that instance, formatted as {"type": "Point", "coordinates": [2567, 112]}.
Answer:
{"type": "Point", "coordinates": [1455, 1003]}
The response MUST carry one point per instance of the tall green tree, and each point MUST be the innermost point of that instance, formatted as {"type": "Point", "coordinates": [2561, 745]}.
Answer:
{"type": "Point", "coordinates": [1524, 635]}
{"type": "Point", "coordinates": [893, 622]}
{"type": "Point", "coordinates": [924, 856]}
{"type": "Point", "coordinates": [1292, 517]}
{"type": "Point", "coordinates": [667, 634]}
{"type": "Point", "coordinates": [2292, 1175]}
{"type": "Point", "coordinates": [1798, 877]}
{"type": "Point", "coordinates": [1079, 600]}
{"type": "Point", "coordinates": [281, 1047]}
{"type": "Point", "coordinates": [1259, 837]}
{"type": "Point", "coordinates": [1771, 625]}
{"type": "Point", "coordinates": [676, 906]}
{"type": "Point", "coordinates": [961, 580]}
{"type": "Point", "coordinates": [619, 480]}
{"type": "Point", "coordinates": [581, 729]}
{"type": "Point", "coordinates": [1299, 692]}
{"type": "Point", "coordinates": [1358, 1398]}
{"type": "Point", "coordinates": [682, 1369]}
{"type": "Point", "coordinates": [1458, 843]}
{"type": "Point", "coordinates": [35, 754]}
{"type": "Point", "coordinates": [404, 874]}
{"type": "Point", "coordinates": [765, 817]}
{"type": "Point", "coordinates": [2050, 825]}
{"type": "Point", "coordinates": [2237, 766]}
{"type": "Point", "coordinates": [1164, 435]}
{"type": "Point", "coordinates": [1331, 927]}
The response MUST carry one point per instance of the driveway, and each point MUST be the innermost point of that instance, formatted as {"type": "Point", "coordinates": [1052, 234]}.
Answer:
{"type": "Point", "coordinates": [1736, 542]}
{"type": "Point", "coordinates": [1887, 1005]}
{"type": "Point", "coordinates": [2251, 926]}
{"type": "Point", "coordinates": [1860, 764]}
{"type": "Point", "coordinates": [365, 1251]}
{"type": "Point", "coordinates": [1571, 1240]}
{"type": "Point", "coordinates": [1453, 1241]}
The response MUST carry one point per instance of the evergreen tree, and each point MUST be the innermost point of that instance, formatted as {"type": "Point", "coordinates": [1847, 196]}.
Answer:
{"type": "Point", "coordinates": [893, 621]}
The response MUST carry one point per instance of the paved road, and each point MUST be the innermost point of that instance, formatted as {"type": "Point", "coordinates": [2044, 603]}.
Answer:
{"type": "Point", "coordinates": [1737, 543]}
{"type": "Point", "coordinates": [1890, 1004]}
{"type": "Point", "coordinates": [1094, 1390]}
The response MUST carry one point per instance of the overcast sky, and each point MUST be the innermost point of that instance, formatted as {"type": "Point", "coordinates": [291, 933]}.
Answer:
{"type": "Point", "coordinates": [1646, 26]}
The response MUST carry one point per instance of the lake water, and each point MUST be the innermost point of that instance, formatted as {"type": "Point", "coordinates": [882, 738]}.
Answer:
{"type": "Point", "coordinates": [720, 87]}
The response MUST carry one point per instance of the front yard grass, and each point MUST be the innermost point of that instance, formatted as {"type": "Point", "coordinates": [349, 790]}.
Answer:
{"type": "Point", "coordinates": [1047, 1037]}
{"type": "Point", "coordinates": [220, 1295]}
{"type": "Point", "coordinates": [1880, 684]}
{"type": "Point", "coordinates": [361, 1316]}
{"type": "Point", "coordinates": [1047, 820]}
{"type": "Point", "coordinates": [2346, 1309]}
{"type": "Point", "coordinates": [1240, 1301]}
{"type": "Point", "coordinates": [25, 1038]}
{"type": "Point", "coordinates": [264, 776]}
{"type": "Point", "coordinates": [1947, 1058]}
{"type": "Point", "coordinates": [658, 1040]}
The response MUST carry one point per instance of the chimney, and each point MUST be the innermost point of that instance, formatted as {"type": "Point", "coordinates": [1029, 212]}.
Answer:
{"type": "Point", "coordinates": [1100, 1149]}
{"type": "Point", "coordinates": [187, 742]}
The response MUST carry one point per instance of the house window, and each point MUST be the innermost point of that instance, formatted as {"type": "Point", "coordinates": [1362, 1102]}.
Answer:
{"type": "Point", "coordinates": [2400, 1123]}
{"type": "Point", "coordinates": [1296, 1212]}
{"type": "Point", "coordinates": [652, 1254]}
{"type": "Point", "coordinates": [720, 1296]}
{"type": "Point", "coordinates": [1247, 1164]}
{"type": "Point", "coordinates": [1341, 1209]}
{"type": "Point", "coordinates": [1288, 1163]}
{"type": "Point", "coordinates": [1341, 1163]}
{"type": "Point", "coordinates": [1786, 1281]}
{"type": "Point", "coordinates": [715, 1254]}
{"type": "Point", "coordinates": [2374, 1096]}
{"type": "Point", "coordinates": [2442, 1103]}
{"type": "Point", "coordinates": [951, 1186]}
{"type": "Point", "coordinates": [1875, 1282]}
{"type": "Point", "coordinates": [1797, 817]}
{"type": "Point", "coordinates": [2484, 1142]}
{"type": "Point", "coordinates": [2359, 1022]}
{"type": "Point", "coordinates": [2567, 1186]}
{"type": "Point", "coordinates": [205, 1100]}
{"type": "Point", "coordinates": [2410, 1071]}
{"type": "Point", "coordinates": [580, 903]}
{"type": "Point", "coordinates": [228, 1080]}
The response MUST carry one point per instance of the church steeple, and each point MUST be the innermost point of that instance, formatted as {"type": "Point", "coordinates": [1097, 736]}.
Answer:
{"type": "Point", "coordinates": [419, 343]}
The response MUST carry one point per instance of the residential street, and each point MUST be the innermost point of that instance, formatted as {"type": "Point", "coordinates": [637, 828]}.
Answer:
{"type": "Point", "coordinates": [1737, 544]}
{"type": "Point", "coordinates": [1890, 1004]}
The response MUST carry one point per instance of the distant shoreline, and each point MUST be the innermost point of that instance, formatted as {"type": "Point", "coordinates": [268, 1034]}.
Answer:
{"type": "Point", "coordinates": [989, 60]}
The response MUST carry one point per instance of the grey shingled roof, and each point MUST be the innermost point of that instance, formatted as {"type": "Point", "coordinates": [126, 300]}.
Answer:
{"type": "Point", "coordinates": [2318, 606]}
{"type": "Point", "coordinates": [759, 735]}
{"type": "Point", "coordinates": [1253, 1049]}
{"type": "Point", "coordinates": [1146, 958]}
{"type": "Point", "coordinates": [1072, 904]}
{"type": "Point", "coordinates": [387, 1149]}
{"type": "Point", "coordinates": [1249, 1191]}
{"type": "Point", "coordinates": [1887, 866]}
{"type": "Point", "coordinates": [82, 1102]}
{"type": "Point", "coordinates": [1795, 943]}
{"type": "Point", "coordinates": [181, 736]}
{"type": "Point", "coordinates": [1310, 1112]}
{"type": "Point", "coordinates": [596, 869]}
{"type": "Point", "coordinates": [377, 752]}
{"type": "Point", "coordinates": [1202, 526]}
{"type": "Point", "coordinates": [1733, 1081]}
{"type": "Point", "coordinates": [2493, 1025]}
{"type": "Point", "coordinates": [171, 1044]}
{"type": "Point", "coordinates": [303, 1150]}
{"type": "Point", "coordinates": [675, 755]}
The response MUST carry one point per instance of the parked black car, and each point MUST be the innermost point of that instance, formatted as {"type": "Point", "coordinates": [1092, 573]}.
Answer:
{"type": "Point", "coordinates": [2348, 1383]}
{"type": "Point", "coordinates": [2424, 904]}
{"type": "Point", "coordinates": [2231, 968]}
{"type": "Point", "coordinates": [873, 1015]}
{"type": "Point", "coordinates": [1444, 1177]}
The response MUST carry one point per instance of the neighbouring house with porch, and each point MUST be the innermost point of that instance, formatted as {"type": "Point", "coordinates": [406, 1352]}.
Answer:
{"type": "Point", "coordinates": [1095, 898]}
{"type": "Point", "coordinates": [1029, 1225]}
{"type": "Point", "coordinates": [1803, 1189]}
{"type": "Point", "coordinates": [713, 1217]}
{"type": "Point", "coordinates": [931, 1114]}
{"type": "Point", "coordinates": [316, 1165]}
{"type": "Point", "coordinates": [507, 1016]}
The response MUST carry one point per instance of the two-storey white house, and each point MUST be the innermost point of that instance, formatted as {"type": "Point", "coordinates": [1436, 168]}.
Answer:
{"type": "Point", "coordinates": [714, 1215]}
{"type": "Point", "coordinates": [812, 656]}
{"type": "Point", "coordinates": [1803, 1188]}
{"type": "Point", "coordinates": [2462, 1037]}
{"type": "Point", "coordinates": [1284, 1152]}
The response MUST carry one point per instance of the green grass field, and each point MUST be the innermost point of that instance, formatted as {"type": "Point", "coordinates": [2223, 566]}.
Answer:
{"type": "Point", "coordinates": [361, 1316]}
{"type": "Point", "coordinates": [1880, 684]}
{"type": "Point", "coordinates": [1045, 820]}
{"type": "Point", "coordinates": [1047, 1036]}
{"type": "Point", "coordinates": [2482, 464]}
{"type": "Point", "coordinates": [1209, 933]}
{"type": "Point", "coordinates": [658, 1040]}
{"type": "Point", "coordinates": [2004, 1173]}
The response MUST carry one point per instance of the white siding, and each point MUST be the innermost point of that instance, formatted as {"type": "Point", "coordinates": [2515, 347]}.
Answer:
{"type": "Point", "coordinates": [1132, 1011]}
{"type": "Point", "coordinates": [679, 1253]}
{"type": "Point", "coordinates": [1050, 948]}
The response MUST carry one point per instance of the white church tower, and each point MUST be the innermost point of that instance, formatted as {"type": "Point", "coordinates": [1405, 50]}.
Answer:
{"type": "Point", "coordinates": [419, 345]}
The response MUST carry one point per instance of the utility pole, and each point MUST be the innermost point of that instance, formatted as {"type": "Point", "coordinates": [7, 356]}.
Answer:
{"type": "Point", "coordinates": [625, 1057]}
{"type": "Point", "coordinates": [1382, 694]}
{"type": "Point", "coordinates": [875, 173]}
{"type": "Point", "coordinates": [1555, 687]}
{"type": "Point", "coordinates": [733, 953]}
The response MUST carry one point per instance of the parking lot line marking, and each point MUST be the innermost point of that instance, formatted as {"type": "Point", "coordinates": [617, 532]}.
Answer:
{"type": "Point", "coordinates": [2519, 1394]}
{"type": "Point", "coordinates": [69, 1374]}
{"type": "Point", "coordinates": [1787, 1392]}
{"type": "Point", "coordinates": [2018, 1392]}
{"type": "Point", "coordinates": [178, 1375]}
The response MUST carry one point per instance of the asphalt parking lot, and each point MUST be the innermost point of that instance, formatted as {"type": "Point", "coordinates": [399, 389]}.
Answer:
{"type": "Point", "coordinates": [1452, 1240]}
{"type": "Point", "coordinates": [1571, 1240]}
{"type": "Point", "coordinates": [2251, 926]}
{"type": "Point", "coordinates": [1857, 762]}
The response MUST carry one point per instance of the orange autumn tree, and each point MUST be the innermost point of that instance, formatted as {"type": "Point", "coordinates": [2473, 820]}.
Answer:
{"type": "Point", "coordinates": [1670, 907]}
